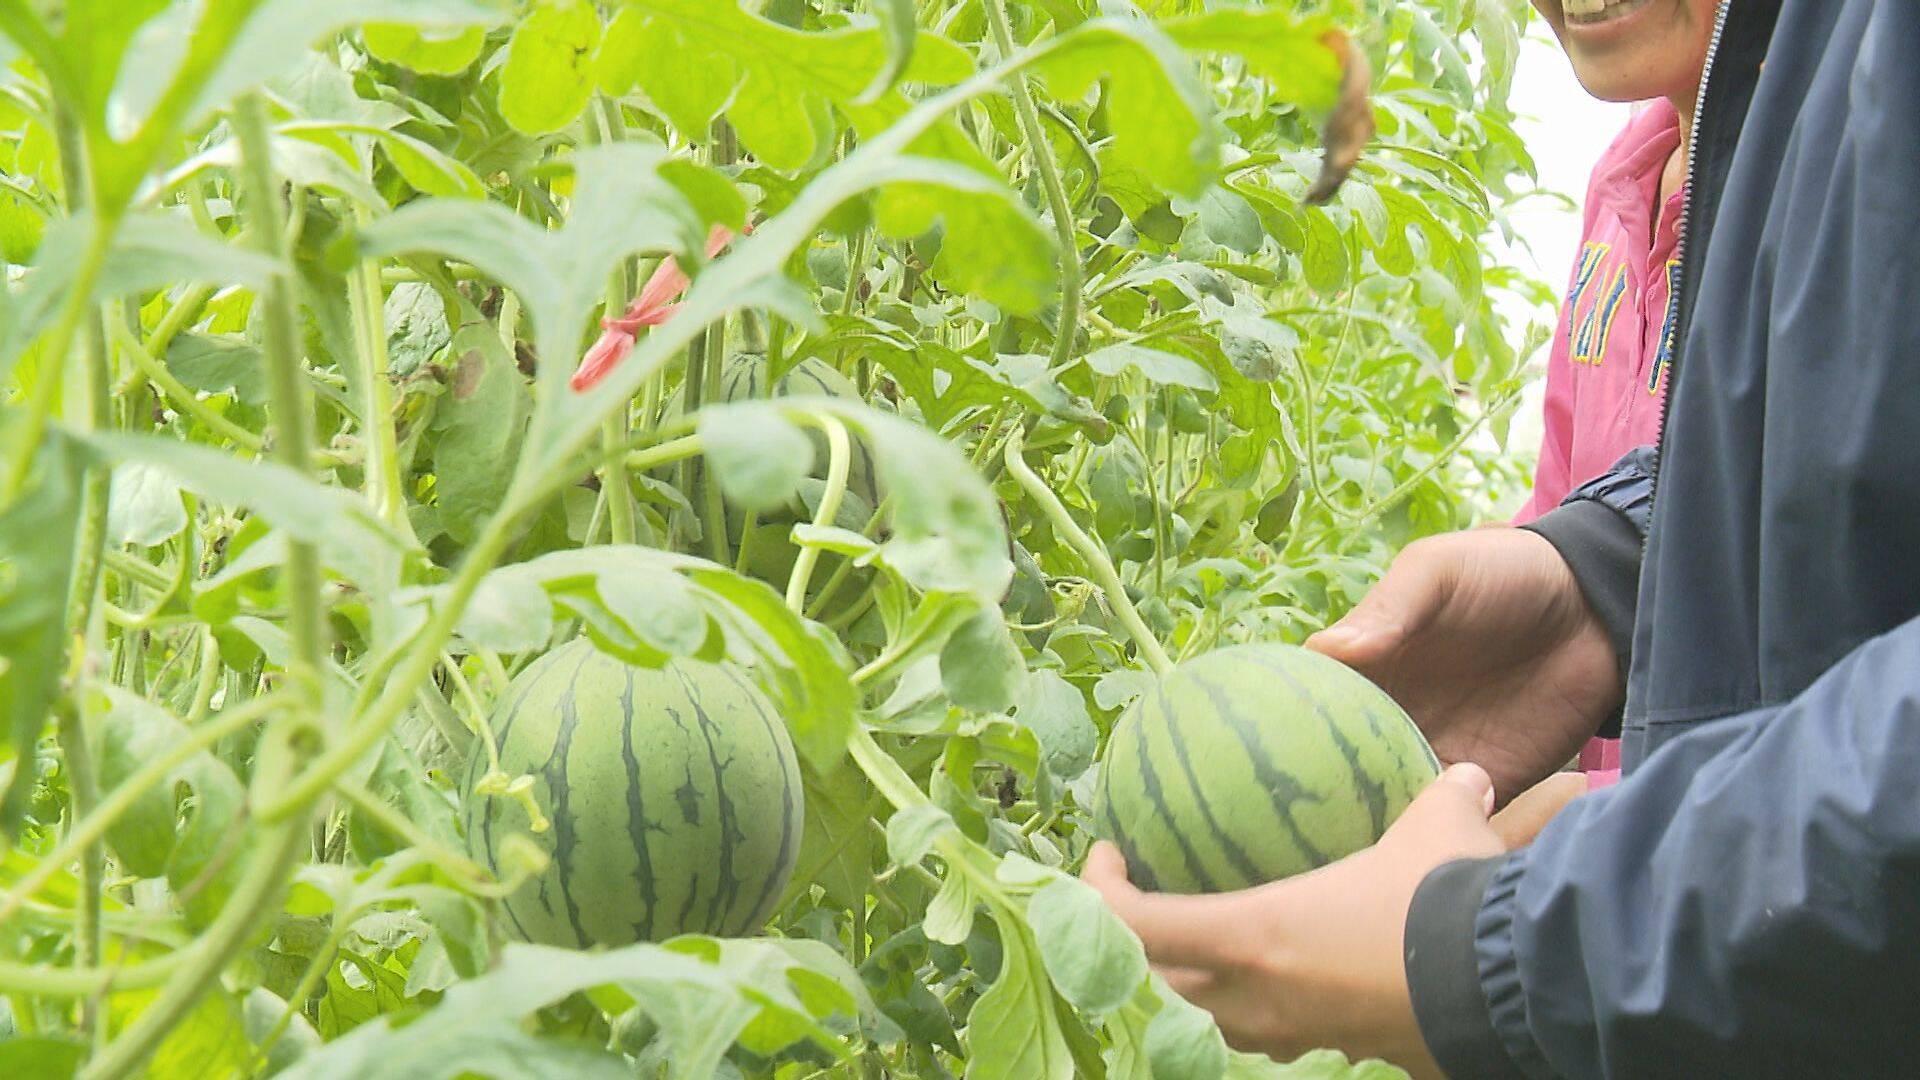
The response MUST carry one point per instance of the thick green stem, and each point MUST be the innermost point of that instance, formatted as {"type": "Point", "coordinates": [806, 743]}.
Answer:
{"type": "Point", "coordinates": [292, 411]}
{"type": "Point", "coordinates": [839, 461]}
{"type": "Point", "coordinates": [366, 296]}
{"type": "Point", "coordinates": [72, 982]}
{"type": "Point", "coordinates": [1090, 552]}
{"type": "Point", "coordinates": [613, 481]}
{"type": "Point", "coordinates": [83, 585]}
{"type": "Point", "coordinates": [713, 506]}
{"type": "Point", "coordinates": [1067, 327]}
{"type": "Point", "coordinates": [665, 453]}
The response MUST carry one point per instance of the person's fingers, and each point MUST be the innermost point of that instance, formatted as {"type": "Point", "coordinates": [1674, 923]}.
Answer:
{"type": "Point", "coordinates": [1105, 864]}
{"type": "Point", "coordinates": [1523, 818]}
{"type": "Point", "coordinates": [1468, 784]}
{"type": "Point", "coordinates": [1390, 613]}
{"type": "Point", "coordinates": [1450, 817]}
{"type": "Point", "coordinates": [1177, 930]}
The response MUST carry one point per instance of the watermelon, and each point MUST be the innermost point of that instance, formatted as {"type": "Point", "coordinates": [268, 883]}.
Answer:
{"type": "Point", "coordinates": [1254, 763]}
{"type": "Point", "coordinates": [674, 797]}
{"type": "Point", "coordinates": [770, 552]}
{"type": "Point", "coordinates": [744, 378]}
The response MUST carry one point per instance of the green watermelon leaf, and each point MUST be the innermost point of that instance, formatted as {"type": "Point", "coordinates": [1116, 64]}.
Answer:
{"type": "Point", "coordinates": [1013, 1029]}
{"type": "Point", "coordinates": [479, 424]}
{"type": "Point", "coordinates": [548, 78]}
{"type": "Point", "coordinates": [913, 830]}
{"type": "Point", "coordinates": [897, 23]}
{"type": "Point", "coordinates": [758, 455]}
{"type": "Point", "coordinates": [800, 665]}
{"type": "Point", "coordinates": [1156, 365]}
{"type": "Point", "coordinates": [37, 543]}
{"type": "Point", "coordinates": [1050, 707]}
{"type": "Point", "coordinates": [1183, 1040]}
{"type": "Point", "coordinates": [980, 666]}
{"type": "Point", "coordinates": [1095, 961]}
{"type": "Point", "coordinates": [427, 51]}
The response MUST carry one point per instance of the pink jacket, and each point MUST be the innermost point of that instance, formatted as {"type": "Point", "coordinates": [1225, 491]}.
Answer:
{"type": "Point", "coordinates": [1607, 373]}
{"type": "Point", "coordinates": [1608, 370]}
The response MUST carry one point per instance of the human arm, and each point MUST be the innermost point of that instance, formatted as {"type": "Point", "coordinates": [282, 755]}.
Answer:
{"type": "Point", "coordinates": [1747, 902]}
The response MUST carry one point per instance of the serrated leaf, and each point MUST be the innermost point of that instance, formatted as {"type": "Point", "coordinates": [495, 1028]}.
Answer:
{"type": "Point", "coordinates": [897, 23]}
{"type": "Point", "coordinates": [1161, 112]}
{"type": "Point", "coordinates": [622, 206]}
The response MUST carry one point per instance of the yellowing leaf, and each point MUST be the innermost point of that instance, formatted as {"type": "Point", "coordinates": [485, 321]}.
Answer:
{"type": "Point", "coordinates": [549, 74]}
{"type": "Point", "coordinates": [429, 52]}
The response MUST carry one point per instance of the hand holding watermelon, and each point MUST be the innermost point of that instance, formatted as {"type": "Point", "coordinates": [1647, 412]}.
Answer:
{"type": "Point", "coordinates": [1313, 960]}
{"type": "Point", "coordinates": [1484, 639]}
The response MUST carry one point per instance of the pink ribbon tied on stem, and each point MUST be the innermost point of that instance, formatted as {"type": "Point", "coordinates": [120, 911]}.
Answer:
{"type": "Point", "coordinates": [656, 304]}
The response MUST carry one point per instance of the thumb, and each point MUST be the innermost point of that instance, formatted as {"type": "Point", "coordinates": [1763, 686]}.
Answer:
{"type": "Point", "coordinates": [1468, 784]}
{"type": "Point", "coordinates": [1361, 638]}
{"type": "Point", "coordinates": [1450, 815]}
{"type": "Point", "coordinates": [1395, 608]}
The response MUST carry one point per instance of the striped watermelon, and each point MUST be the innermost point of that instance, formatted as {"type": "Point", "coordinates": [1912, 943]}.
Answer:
{"type": "Point", "coordinates": [674, 797]}
{"type": "Point", "coordinates": [1254, 763]}
{"type": "Point", "coordinates": [770, 552]}
{"type": "Point", "coordinates": [744, 378]}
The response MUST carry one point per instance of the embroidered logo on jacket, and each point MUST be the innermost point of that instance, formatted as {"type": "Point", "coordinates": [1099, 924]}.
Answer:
{"type": "Point", "coordinates": [1596, 301]}
{"type": "Point", "coordinates": [1665, 360]}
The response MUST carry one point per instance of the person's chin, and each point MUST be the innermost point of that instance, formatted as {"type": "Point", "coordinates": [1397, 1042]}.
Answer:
{"type": "Point", "coordinates": [1608, 84]}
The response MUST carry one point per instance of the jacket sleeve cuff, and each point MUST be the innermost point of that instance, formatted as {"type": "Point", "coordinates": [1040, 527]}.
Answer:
{"type": "Point", "coordinates": [1443, 972]}
{"type": "Point", "coordinates": [1602, 548]}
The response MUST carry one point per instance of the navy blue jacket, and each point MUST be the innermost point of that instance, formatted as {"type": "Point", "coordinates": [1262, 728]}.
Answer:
{"type": "Point", "coordinates": [1746, 902]}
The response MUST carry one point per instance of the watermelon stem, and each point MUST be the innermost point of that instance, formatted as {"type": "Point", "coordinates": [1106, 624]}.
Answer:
{"type": "Point", "coordinates": [1066, 326]}
{"type": "Point", "coordinates": [1090, 551]}
{"type": "Point", "coordinates": [839, 461]}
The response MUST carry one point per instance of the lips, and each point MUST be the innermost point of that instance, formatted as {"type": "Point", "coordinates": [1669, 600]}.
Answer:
{"type": "Point", "coordinates": [1592, 12]}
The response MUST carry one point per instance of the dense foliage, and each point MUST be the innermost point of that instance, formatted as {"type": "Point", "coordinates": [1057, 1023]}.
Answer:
{"type": "Point", "coordinates": [1043, 348]}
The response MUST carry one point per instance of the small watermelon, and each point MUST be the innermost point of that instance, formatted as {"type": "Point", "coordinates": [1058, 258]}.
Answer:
{"type": "Point", "coordinates": [744, 378]}
{"type": "Point", "coordinates": [674, 797]}
{"type": "Point", "coordinates": [1254, 763]}
{"type": "Point", "coordinates": [770, 553]}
